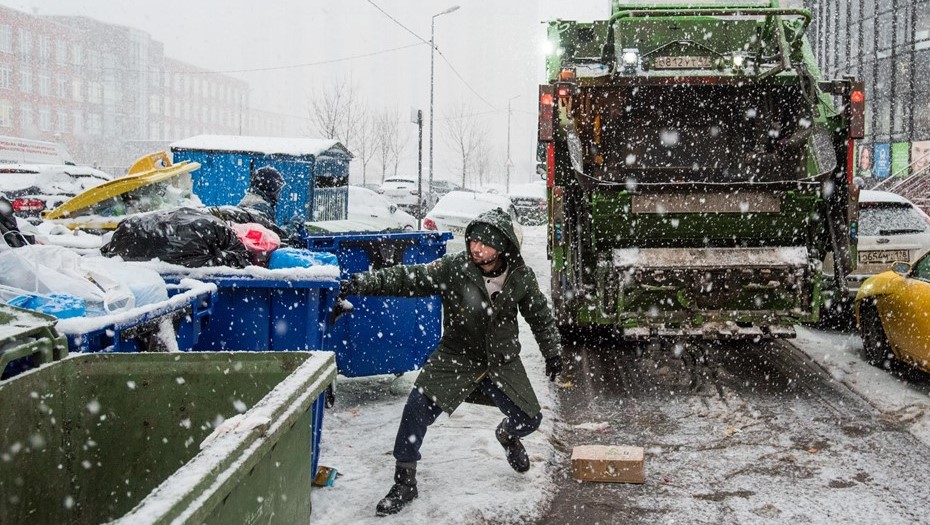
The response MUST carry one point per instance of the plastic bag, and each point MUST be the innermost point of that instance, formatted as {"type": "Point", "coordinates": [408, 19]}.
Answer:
{"type": "Point", "coordinates": [47, 269]}
{"type": "Point", "coordinates": [260, 241]}
{"type": "Point", "coordinates": [146, 285]}
{"type": "Point", "coordinates": [187, 236]}
{"type": "Point", "coordinates": [300, 258]}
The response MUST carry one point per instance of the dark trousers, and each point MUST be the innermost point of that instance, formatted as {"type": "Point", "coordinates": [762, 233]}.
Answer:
{"type": "Point", "coordinates": [420, 412]}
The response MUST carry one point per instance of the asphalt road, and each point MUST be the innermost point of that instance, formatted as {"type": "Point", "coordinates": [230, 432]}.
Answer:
{"type": "Point", "coordinates": [734, 433]}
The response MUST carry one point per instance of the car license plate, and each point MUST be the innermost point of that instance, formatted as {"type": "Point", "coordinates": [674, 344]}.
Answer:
{"type": "Point", "coordinates": [883, 256]}
{"type": "Point", "coordinates": [683, 62]}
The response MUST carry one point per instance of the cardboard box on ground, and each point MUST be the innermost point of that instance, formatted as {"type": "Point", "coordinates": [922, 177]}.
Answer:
{"type": "Point", "coordinates": [610, 463]}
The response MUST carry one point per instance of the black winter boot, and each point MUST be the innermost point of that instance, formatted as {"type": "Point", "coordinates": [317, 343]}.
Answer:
{"type": "Point", "coordinates": [403, 492]}
{"type": "Point", "coordinates": [516, 454]}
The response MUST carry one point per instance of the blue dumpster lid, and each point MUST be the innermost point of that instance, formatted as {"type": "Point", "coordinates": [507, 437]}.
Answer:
{"type": "Point", "coordinates": [293, 146]}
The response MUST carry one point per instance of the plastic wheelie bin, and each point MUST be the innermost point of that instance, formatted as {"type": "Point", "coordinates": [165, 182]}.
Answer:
{"type": "Point", "coordinates": [175, 324]}
{"type": "Point", "coordinates": [27, 340]}
{"type": "Point", "coordinates": [384, 335]}
{"type": "Point", "coordinates": [146, 438]}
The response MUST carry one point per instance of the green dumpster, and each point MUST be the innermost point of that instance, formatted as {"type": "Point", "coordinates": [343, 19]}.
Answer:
{"type": "Point", "coordinates": [200, 437]}
{"type": "Point", "coordinates": [27, 340]}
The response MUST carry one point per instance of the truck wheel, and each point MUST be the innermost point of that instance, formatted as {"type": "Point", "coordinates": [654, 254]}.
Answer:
{"type": "Point", "coordinates": [875, 347]}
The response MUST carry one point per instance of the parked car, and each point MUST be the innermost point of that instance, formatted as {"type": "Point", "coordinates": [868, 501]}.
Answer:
{"type": "Point", "coordinates": [891, 229]}
{"type": "Point", "coordinates": [456, 209]}
{"type": "Point", "coordinates": [405, 193]}
{"type": "Point", "coordinates": [442, 187]}
{"type": "Point", "coordinates": [530, 202]}
{"type": "Point", "coordinates": [366, 205]}
{"type": "Point", "coordinates": [34, 188]}
{"type": "Point", "coordinates": [891, 314]}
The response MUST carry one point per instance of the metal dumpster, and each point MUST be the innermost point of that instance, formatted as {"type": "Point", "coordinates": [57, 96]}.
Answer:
{"type": "Point", "coordinates": [383, 335]}
{"type": "Point", "coordinates": [145, 438]}
{"type": "Point", "coordinates": [27, 340]}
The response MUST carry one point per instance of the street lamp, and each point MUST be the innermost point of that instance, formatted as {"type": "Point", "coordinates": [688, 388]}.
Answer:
{"type": "Point", "coordinates": [432, 59]}
{"type": "Point", "coordinates": [509, 162]}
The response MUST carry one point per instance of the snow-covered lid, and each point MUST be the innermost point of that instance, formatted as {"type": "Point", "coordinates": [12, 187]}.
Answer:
{"type": "Point", "coordinates": [266, 145]}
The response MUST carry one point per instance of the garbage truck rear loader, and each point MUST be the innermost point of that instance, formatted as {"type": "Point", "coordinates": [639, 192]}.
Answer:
{"type": "Point", "coordinates": [698, 170]}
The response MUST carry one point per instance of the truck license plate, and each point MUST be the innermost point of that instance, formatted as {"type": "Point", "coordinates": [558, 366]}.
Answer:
{"type": "Point", "coordinates": [883, 256]}
{"type": "Point", "coordinates": [682, 62]}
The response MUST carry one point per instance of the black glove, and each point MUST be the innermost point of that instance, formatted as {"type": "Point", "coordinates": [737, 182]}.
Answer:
{"type": "Point", "coordinates": [553, 366]}
{"type": "Point", "coordinates": [341, 305]}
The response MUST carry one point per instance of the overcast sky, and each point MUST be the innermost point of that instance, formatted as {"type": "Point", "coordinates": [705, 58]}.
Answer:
{"type": "Point", "coordinates": [495, 45]}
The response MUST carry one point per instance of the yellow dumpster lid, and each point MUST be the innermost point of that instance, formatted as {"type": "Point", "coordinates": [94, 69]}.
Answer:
{"type": "Point", "coordinates": [149, 169]}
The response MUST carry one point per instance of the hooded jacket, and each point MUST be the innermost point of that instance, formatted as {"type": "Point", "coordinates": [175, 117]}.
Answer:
{"type": "Point", "coordinates": [480, 337]}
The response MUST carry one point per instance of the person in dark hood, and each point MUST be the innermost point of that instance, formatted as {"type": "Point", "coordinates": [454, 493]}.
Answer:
{"type": "Point", "coordinates": [478, 357]}
{"type": "Point", "coordinates": [264, 187]}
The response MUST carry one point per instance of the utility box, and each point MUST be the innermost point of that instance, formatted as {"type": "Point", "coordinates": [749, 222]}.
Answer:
{"type": "Point", "coordinates": [608, 463]}
{"type": "Point", "coordinates": [315, 171]}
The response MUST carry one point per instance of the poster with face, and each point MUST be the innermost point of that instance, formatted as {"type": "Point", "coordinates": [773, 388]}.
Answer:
{"type": "Point", "coordinates": [864, 164]}
{"type": "Point", "coordinates": [920, 156]}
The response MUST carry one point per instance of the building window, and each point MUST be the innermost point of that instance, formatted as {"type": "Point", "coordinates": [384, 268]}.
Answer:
{"type": "Point", "coordinates": [44, 85]}
{"type": "Point", "coordinates": [62, 122]}
{"type": "Point", "coordinates": [6, 74]}
{"type": "Point", "coordinates": [94, 94]}
{"type": "Point", "coordinates": [25, 116]}
{"type": "Point", "coordinates": [62, 88]}
{"type": "Point", "coordinates": [77, 55]}
{"type": "Point", "coordinates": [45, 49]}
{"type": "Point", "coordinates": [45, 118]}
{"type": "Point", "coordinates": [78, 118]}
{"type": "Point", "coordinates": [94, 123]}
{"type": "Point", "coordinates": [25, 44]}
{"type": "Point", "coordinates": [25, 80]}
{"type": "Point", "coordinates": [76, 91]}
{"type": "Point", "coordinates": [6, 39]}
{"type": "Point", "coordinates": [6, 114]}
{"type": "Point", "coordinates": [61, 52]}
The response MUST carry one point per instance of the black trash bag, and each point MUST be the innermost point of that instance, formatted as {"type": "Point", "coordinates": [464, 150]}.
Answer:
{"type": "Point", "coordinates": [242, 215]}
{"type": "Point", "coordinates": [189, 237]}
{"type": "Point", "coordinates": [9, 229]}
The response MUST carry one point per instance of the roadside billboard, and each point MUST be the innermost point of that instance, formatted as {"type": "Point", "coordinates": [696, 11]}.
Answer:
{"type": "Point", "coordinates": [881, 161]}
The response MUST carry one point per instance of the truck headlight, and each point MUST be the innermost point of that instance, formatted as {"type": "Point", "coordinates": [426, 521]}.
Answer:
{"type": "Point", "coordinates": [630, 60]}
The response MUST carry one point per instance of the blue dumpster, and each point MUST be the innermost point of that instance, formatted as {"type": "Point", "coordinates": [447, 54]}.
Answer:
{"type": "Point", "coordinates": [383, 335]}
{"type": "Point", "coordinates": [267, 310]}
{"type": "Point", "coordinates": [188, 309]}
{"type": "Point", "coordinates": [315, 171]}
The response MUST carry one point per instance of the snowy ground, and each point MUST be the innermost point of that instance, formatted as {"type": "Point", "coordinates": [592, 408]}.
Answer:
{"type": "Point", "coordinates": [900, 394]}
{"type": "Point", "coordinates": [464, 476]}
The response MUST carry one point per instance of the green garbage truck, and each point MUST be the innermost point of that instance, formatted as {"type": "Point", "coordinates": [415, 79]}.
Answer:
{"type": "Point", "coordinates": [699, 170]}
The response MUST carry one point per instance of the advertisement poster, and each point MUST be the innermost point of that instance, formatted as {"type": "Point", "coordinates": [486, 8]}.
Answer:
{"type": "Point", "coordinates": [900, 158]}
{"type": "Point", "coordinates": [920, 156]}
{"type": "Point", "coordinates": [881, 161]}
{"type": "Point", "coordinates": [864, 161]}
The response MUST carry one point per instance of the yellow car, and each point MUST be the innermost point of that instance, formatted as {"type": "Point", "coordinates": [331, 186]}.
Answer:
{"type": "Point", "coordinates": [893, 315]}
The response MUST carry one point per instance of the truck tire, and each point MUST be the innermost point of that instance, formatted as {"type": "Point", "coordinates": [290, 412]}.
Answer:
{"type": "Point", "coordinates": [875, 347]}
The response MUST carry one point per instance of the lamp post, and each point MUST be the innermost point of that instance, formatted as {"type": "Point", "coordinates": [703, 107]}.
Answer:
{"type": "Point", "coordinates": [509, 162]}
{"type": "Point", "coordinates": [432, 60]}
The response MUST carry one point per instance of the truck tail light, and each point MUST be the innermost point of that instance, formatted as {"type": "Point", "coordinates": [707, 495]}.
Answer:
{"type": "Point", "coordinates": [429, 224]}
{"type": "Point", "coordinates": [857, 111]}
{"type": "Point", "coordinates": [546, 113]}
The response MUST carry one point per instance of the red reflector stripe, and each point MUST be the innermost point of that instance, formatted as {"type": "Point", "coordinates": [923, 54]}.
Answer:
{"type": "Point", "coordinates": [550, 164]}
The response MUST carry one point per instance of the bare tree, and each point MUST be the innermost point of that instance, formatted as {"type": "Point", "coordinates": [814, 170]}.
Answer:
{"type": "Point", "coordinates": [399, 143]}
{"type": "Point", "coordinates": [335, 112]}
{"type": "Point", "coordinates": [386, 124]}
{"type": "Point", "coordinates": [367, 141]}
{"type": "Point", "coordinates": [463, 133]}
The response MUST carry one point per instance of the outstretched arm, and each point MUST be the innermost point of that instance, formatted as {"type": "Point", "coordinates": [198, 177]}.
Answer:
{"type": "Point", "coordinates": [416, 280]}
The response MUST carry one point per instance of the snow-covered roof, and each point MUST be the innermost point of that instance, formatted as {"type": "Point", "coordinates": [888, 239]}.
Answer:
{"type": "Point", "coordinates": [881, 196]}
{"type": "Point", "coordinates": [266, 145]}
